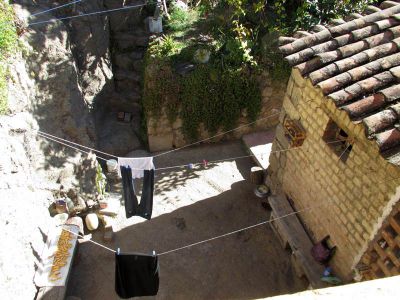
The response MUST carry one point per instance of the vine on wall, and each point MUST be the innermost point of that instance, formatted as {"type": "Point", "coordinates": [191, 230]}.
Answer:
{"type": "Point", "coordinates": [210, 95]}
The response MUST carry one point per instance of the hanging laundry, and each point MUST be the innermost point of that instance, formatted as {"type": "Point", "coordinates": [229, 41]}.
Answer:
{"type": "Point", "coordinates": [132, 206]}
{"type": "Point", "coordinates": [136, 275]}
{"type": "Point", "coordinates": [137, 164]}
{"type": "Point", "coordinates": [142, 167]}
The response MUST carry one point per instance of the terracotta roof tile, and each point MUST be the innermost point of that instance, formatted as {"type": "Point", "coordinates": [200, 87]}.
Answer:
{"type": "Point", "coordinates": [396, 109]}
{"type": "Point", "coordinates": [387, 4]}
{"type": "Point", "coordinates": [357, 65]}
{"type": "Point", "coordinates": [359, 73]}
{"type": "Point", "coordinates": [380, 121]}
{"type": "Point", "coordinates": [364, 106]}
{"type": "Point", "coordinates": [391, 93]}
{"type": "Point", "coordinates": [388, 139]}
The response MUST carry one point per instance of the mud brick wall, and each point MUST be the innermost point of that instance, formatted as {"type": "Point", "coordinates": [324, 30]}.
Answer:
{"type": "Point", "coordinates": [350, 199]}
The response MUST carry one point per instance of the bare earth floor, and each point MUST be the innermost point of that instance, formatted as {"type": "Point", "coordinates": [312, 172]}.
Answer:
{"type": "Point", "coordinates": [189, 206]}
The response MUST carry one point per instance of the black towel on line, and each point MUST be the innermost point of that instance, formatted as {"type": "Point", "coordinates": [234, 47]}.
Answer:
{"type": "Point", "coordinates": [132, 207]}
{"type": "Point", "coordinates": [136, 275]}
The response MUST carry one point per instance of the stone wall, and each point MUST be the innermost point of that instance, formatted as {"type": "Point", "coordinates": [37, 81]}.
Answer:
{"type": "Point", "coordinates": [162, 135]}
{"type": "Point", "coordinates": [351, 198]}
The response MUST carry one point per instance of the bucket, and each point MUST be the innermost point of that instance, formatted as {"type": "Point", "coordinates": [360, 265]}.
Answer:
{"type": "Point", "coordinates": [112, 165]}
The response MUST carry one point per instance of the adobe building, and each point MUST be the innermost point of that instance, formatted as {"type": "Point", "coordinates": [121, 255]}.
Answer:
{"type": "Point", "coordinates": [340, 139]}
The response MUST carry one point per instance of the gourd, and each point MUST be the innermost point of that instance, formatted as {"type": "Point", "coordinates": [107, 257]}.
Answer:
{"type": "Point", "coordinates": [92, 221]}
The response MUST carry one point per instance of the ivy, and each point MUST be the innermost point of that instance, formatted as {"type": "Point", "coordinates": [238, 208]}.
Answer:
{"type": "Point", "coordinates": [8, 44]}
{"type": "Point", "coordinates": [210, 95]}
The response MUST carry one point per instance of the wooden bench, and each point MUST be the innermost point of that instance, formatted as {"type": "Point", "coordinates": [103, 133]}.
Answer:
{"type": "Point", "coordinates": [292, 234]}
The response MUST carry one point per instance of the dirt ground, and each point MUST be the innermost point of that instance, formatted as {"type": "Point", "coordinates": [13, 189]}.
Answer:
{"type": "Point", "coordinates": [189, 206]}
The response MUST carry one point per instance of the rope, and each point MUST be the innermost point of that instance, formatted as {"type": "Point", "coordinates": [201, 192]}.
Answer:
{"type": "Point", "coordinates": [236, 231]}
{"type": "Point", "coordinates": [88, 14]}
{"type": "Point", "coordinates": [51, 9]}
{"type": "Point", "coordinates": [217, 135]}
{"type": "Point", "coordinates": [207, 240]}
{"type": "Point", "coordinates": [58, 138]}
{"type": "Point", "coordinates": [77, 149]}
{"type": "Point", "coordinates": [96, 243]}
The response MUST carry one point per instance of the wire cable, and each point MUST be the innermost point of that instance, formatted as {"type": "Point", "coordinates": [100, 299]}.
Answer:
{"type": "Point", "coordinates": [217, 135]}
{"type": "Point", "coordinates": [96, 243]}
{"type": "Point", "coordinates": [236, 231]}
{"type": "Point", "coordinates": [58, 138]}
{"type": "Point", "coordinates": [89, 14]}
{"type": "Point", "coordinates": [206, 240]}
{"type": "Point", "coordinates": [77, 149]}
{"type": "Point", "coordinates": [58, 7]}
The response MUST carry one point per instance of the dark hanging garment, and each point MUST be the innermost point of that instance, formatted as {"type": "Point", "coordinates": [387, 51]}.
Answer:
{"type": "Point", "coordinates": [146, 201]}
{"type": "Point", "coordinates": [131, 202]}
{"type": "Point", "coordinates": [132, 206]}
{"type": "Point", "coordinates": [136, 275]}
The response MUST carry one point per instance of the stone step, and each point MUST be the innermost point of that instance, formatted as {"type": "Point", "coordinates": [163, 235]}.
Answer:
{"type": "Point", "coordinates": [122, 86]}
{"type": "Point", "coordinates": [125, 41]}
{"type": "Point", "coordinates": [128, 61]}
{"type": "Point", "coordinates": [135, 39]}
{"type": "Point", "coordinates": [120, 102]}
{"type": "Point", "coordinates": [122, 75]}
{"type": "Point", "coordinates": [117, 137]}
{"type": "Point", "coordinates": [131, 97]}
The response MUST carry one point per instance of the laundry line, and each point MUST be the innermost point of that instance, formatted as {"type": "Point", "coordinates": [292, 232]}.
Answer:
{"type": "Point", "coordinates": [89, 14]}
{"type": "Point", "coordinates": [219, 134]}
{"type": "Point", "coordinates": [50, 137]}
{"type": "Point", "coordinates": [167, 152]}
{"type": "Point", "coordinates": [206, 240]}
{"type": "Point", "coordinates": [55, 8]}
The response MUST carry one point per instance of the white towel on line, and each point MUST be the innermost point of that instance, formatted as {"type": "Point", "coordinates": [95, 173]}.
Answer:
{"type": "Point", "coordinates": [137, 165]}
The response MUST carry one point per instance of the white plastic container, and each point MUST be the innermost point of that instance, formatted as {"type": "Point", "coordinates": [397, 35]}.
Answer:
{"type": "Point", "coordinates": [112, 165]}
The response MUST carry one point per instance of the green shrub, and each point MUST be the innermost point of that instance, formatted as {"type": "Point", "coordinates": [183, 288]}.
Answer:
{"type": "Point", "coordinates": [165, 47]}
{"type": "Point", "coordinates": [8, 43]}
{"type": "Point", "coordinates": [181, 20]}
{"type": "Point", "coordinates": [3, 89]}
{"type": "Point", "coordinates": [210, 95]}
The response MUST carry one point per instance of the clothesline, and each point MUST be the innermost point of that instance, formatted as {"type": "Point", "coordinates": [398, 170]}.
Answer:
{"type": "Point", "coordinates": [219, 134]}
{"type": "Point", "coordinates": [77, 149]}
{"type": "Point", "coordinates": [167, 152]}
{"type": "Point", "coordinates": [179, 166]}
{"type": "Point", "coordinates": [86, 147]}
{"type": "Point", "coordinates": [88, 14]}
{"type": "Point", "coordinates": [210, 239]}
{"type": "Point", "coordinates": [219, 236]}
{"type": "Point", "coordinates": [55, 8]}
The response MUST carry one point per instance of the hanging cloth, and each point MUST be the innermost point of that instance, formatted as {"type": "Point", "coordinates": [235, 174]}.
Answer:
{"type": "Point", "coordinates": [137, 164]}
{"type": "Point", "coordinates": [132, 168]}
{"type": "Point", "coordinates": [136, 275]}
{"type": "Point", "coordinates": [132, 206]}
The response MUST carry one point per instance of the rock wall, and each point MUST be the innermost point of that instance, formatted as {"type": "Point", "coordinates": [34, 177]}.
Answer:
{"type": "Point", "coordinates": [162, 135]}
{"type": "Point", "coordinates": [47, 93]}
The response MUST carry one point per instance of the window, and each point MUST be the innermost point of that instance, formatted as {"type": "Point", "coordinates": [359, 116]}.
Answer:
{"type": "Point", "coordinates": [338, 140]}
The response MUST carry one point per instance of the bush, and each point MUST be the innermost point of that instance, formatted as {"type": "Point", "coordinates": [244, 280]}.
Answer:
{"type": "Point", "coordinates": [8, 42]}
{"type": "Point", "coordinates": [181, 20]}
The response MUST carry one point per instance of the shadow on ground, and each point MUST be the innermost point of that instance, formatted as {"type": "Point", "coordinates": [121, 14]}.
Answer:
{"type": "Point", "coordinates": [246, 265]}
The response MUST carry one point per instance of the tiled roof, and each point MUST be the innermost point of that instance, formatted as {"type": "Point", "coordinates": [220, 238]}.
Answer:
{"type": "Point", "coordinates": [357, 64]}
